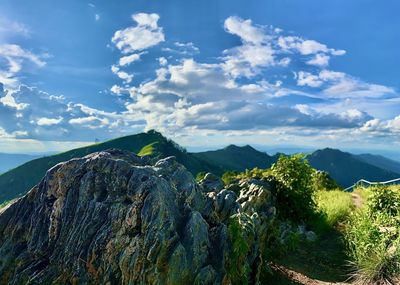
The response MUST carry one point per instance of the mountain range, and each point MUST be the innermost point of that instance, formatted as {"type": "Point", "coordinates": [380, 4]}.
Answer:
{"type": "Point", "coordinates": [344, 167]}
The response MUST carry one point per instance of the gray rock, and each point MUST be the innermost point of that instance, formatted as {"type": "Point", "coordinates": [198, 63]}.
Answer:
{"type": "Point", "coordinates": [212, 183]}
{"type": "Point", "coordinates": [112, 218]}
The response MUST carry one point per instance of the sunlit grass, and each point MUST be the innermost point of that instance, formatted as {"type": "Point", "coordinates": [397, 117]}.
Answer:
{"type": "Point", "coordinates": [336, 205]}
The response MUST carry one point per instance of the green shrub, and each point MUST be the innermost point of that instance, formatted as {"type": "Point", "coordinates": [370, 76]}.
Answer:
{"type": "Point", "coordinates": [229, 177]}
{"type": "Point", "coordinates": [373, 239]}
{"type": "Point", "coordinates": [200, 176]}
{"type": "Point", "coordinates": [295, 192]}
{"type": "Point", "coordinates": [384, 199]}
{"type": "Point", "coordinates": [322, 181]}
{"type": "Point", "coordinates": [241, 234]}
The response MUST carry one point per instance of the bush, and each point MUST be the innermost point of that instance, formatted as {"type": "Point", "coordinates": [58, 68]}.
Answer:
{"type": "Point", "coordinates": [323, 181]}
{"type": "Point", "coordinates": [295, 192]}
{"type": "Point", "coordinates": [384, 199]}
{"type": "Point", "coordinates": [229, 177]}
{"type": "Point", "coordinates": [373, 239]}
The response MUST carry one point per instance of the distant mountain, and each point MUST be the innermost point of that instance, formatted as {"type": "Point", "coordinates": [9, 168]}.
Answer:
{"type": "Point", "coordinates": [381, 161]}
{"type": "Point", "coordinates": [237, 158]}
{"type": "Point", "coordinates": [347, 168]}
{"type": "Point", "coordinates": [9, 160]}
{"type": "Point", "coordinates": [18, 181]}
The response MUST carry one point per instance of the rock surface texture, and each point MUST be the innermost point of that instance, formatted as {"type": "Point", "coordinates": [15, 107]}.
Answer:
{"type": "Point", "coordinates": [115, 218]}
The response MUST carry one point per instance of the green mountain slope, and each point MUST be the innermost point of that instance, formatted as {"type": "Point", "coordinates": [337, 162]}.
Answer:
{"type": "Point", "coordinates": [237, 158]}
{"type": "Point", "coordinates": [18, 181]}
{"type": "Point", "coordinates": [380, 161]}
{"type": "Point", "coordinates": [346, 168]}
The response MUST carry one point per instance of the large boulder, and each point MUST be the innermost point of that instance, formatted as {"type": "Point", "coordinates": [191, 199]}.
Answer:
{"type": "Point", "coordinates": [114, 218]}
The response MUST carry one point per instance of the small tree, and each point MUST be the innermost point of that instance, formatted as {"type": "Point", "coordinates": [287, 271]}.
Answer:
{"type": "Point", "coordinates": [295, 189]}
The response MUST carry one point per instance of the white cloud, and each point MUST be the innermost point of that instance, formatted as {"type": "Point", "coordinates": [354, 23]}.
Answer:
{"type": "Point", "coordinates": [245, 30]}
{"type": "Point", "coordinates": [49, 121]}
{"type": "Point", "coordinates": [126, 77]}
{"type": "Point", "coordinates": [163, 61]}
{"type": "Point", "coordinates": [97, 17]}
{"type": "Point", "coordinates": [144, 35]}
{"type": "Point", "coordinates": [16, 58]}
{"type": "Point", "coordinates": [307, 79]}
{"type": "Point", "coordinates": [319, 60]}
{"type": "Point", "coordinates": [11, 28]}
{"type": "Point", "coordinates": [127, 60]}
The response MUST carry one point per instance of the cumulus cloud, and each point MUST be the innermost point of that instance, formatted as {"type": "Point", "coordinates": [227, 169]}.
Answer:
{"type": "Point", "coordinates": [144, 35]}
{"type": "Point", "coordinates": [35, 114]}
{"type": "Point", "coordinates": [127, 60]}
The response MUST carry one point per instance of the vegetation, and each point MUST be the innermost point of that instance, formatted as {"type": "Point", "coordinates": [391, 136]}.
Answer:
{"type": "Point", "coordinates": [373, 238]}
{"type": "Point", "coordinates": [335, 205]}
{"type": "Point", "coordinates": [347, 168]}
{"type": "Point", "coordinates": [295, 192]}
{"type": "Point", "coordinates": [237, 158]}
{"type": "Point", "coordinates": [147, 149]}
{"type": "Point", "coordinates": [18, 181]}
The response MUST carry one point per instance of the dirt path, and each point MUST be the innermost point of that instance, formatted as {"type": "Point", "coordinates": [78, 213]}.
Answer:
{"type": "Point", "coordinates": [298, 278]}
{"type": "Point", "coordinates": [357, 200]}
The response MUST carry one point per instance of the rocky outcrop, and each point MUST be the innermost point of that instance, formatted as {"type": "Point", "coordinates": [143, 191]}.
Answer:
{"type": "Point", "coordinates": [211, 183]}
{"type": "Point", "coordinates": [115, 218]}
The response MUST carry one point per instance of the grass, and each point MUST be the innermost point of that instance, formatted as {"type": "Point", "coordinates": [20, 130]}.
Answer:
{"type": "Point", "coordinates": [147, 149]}
{"type": "Point", "coordinates": [326, 258]}
{"type": "Point", "coordinates": [373, 236]}
{"type": "Point", "coordinates": [2, 205]}
{"type": "Point", "coordinates": [336, 206]}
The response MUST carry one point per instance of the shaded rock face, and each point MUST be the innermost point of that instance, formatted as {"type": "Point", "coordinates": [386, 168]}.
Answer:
{"type": "Point", "coordinates": [114, 218]}
{"type": "Point", "coordinates": [211, 183]}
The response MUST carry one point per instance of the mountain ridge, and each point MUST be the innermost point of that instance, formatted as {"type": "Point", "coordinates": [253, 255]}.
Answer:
{"type": "Point", "coordinates": [345, 168]}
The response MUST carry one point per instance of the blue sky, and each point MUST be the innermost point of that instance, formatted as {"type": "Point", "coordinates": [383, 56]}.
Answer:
{"type": "Point", "coordinates": [205, 73]}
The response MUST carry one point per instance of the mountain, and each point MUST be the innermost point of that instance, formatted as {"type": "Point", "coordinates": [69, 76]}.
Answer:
{"type": "Point", "coordinates": [10, 160]}
{"type": "Point", "coordinates": [18, 181]}
{"type": "Point", "coordinates": [237, 158]}
{"type": "Point", "coordinates": [117, 218]}
{"type": "Point", "coordinates": [346, 168]}
{"type": "Point", "coordinates": [381, 161]}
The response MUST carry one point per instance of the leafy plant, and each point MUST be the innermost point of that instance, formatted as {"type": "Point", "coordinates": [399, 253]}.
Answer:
{"type": "Point", "coordinates": [295, 192]}
{"type": "Point", "coordinates": [384, 199]}
{"type": "Point", "coordinates": [373, 239]}
{"type": "Point", "coordinates": [323, 181]}
{"type": "Point", "coordinates": [229, 177]}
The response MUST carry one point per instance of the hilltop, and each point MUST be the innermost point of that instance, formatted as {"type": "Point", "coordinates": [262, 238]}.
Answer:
{"type": "Point", "coordinates": [346, 168]}
{"type": "Point", "coordinates": [343, 167]}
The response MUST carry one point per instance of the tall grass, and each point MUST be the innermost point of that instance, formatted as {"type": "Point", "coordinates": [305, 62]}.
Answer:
{"type": "Point", "coordinates": [373, 238]}
{"type": "Point", "coordinates": [336, 206]}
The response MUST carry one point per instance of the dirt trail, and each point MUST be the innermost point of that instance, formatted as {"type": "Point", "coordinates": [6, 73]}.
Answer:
{"type": "Point", "coordinates": [357, 200]}
{"type": "Point", "coordinates": [297, 278]}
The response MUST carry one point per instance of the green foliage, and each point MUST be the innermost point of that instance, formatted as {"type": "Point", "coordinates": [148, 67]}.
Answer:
{"type": "Point", "coordinates": [18, 181]}
{"type": "Point", "coordinates": [229, 177]}
{"type": "Point", "coordinates": [322, 181]}
{"type": "Point", "coordinates": [2, 205]}
{"type": "Point", "coordinates": [295, 192]}
{"type": "Point", "coordinates": [373, 238]}
{"type": "Point", "coordinates": [384, 199]}
{"type": "Point", "coordinates": [147, 149]}
{"type": "Point", "coordinates": [336, 206]}
{"type": "Point", "coordinates": [241, 234]}
{"type": "Point", "coordinates": [200, 176]}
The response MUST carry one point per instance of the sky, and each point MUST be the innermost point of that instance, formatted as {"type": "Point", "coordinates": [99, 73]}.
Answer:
{"type": "Point", "coordinates": [273, 73]}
